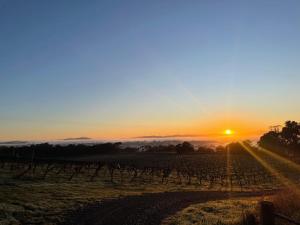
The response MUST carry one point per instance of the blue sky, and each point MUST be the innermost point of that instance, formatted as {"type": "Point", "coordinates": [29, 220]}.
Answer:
{"type": "Point", "coordinates": [122, 68]}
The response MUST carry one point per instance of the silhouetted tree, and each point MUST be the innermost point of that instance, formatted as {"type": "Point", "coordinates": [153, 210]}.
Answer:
{"type": "Point", "coordinates": [290, 134]}
{"type": "Point", "coordinates": [235, 147]}
{"type": "Point", "coordinates": [46, 150]}
{"type": "Point", "coordinates": [220, 149]}
{"type": "Point", "coordinates": [184, 148]}
{"type": "Point", "coordinates": [286, 141]}
{"type": "Point", "coordinates": [203, 149]}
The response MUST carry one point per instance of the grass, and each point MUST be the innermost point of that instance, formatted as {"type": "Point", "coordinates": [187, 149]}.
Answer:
{"type": "Point", "coordinates": [287, 202]}
{"type": "Point", "coordinates": [234, 211]}
{"type": "Point", "coordinates": [223, 212]}
{"type": "Point", "coordinates": [46, 203]}
{"type": "Point", "coordinates": [32, 200]}
{"type": "Point", "coordinates": [37, 201]}
{"type": "Point", "coordinates": [43, 202]}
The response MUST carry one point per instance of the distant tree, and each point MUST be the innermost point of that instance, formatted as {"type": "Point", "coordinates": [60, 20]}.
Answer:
{"type": "Point", "coordinates": [220, 149]}
{"type": "Point", "coordinates": [45, 150]}
{"type": "Point", "coordinates": [203, 149]}
{"type": "Point", "coordinates": [235, 147]}
{"type": "Point", "coordinates": [159, 148]}
{"type": "Point", "coordinates": [184, 148]}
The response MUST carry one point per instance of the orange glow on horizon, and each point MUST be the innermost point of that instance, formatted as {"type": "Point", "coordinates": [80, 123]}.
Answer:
{"type": "Point", "coordinates": [204, 128]}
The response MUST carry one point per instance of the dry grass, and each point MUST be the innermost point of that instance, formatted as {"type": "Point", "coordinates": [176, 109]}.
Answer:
{"type": "Point", "coordinates": [229, 212]}
{"type": "Point", "coordinates": [287, 202]}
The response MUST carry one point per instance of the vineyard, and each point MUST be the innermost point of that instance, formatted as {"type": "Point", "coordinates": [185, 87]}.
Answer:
{"type": "Point", "coordinates": [223, 170]}
{"type": "Point", "coordinates": [37, 190]}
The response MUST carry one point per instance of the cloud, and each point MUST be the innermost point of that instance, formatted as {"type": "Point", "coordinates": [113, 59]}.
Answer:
{"type": "Point", "coordinates": [13, 143]}
{"type": "Point", "coordinates": [77, 139]}
{"type": "Point", "coordinates": [170, 136]}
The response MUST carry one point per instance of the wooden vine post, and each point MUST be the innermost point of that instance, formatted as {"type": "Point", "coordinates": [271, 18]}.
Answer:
{"type": "Point", "coordinates": [267, 213]}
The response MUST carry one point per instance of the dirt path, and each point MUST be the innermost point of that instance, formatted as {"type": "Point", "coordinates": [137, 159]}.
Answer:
{"type": "Point", "coordinates": [147, 209]}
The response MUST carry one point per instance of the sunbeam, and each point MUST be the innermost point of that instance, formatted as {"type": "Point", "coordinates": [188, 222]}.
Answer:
{"type": "Point", "coordinates": [280, 158]}
{"type": "Point", "coordinates": [228, 169]}
{"type": "Point", "coordinates": [282, 179]}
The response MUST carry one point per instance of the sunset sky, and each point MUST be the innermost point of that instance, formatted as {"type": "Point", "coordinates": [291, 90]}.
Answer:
{"type": "Point", "coordinates": [125, 69]}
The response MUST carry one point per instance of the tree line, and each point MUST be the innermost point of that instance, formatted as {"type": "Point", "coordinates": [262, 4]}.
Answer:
{"type": "Point", "coordinates": [285, 141]}
{"type": "Point", "coordinates": [48, 151]}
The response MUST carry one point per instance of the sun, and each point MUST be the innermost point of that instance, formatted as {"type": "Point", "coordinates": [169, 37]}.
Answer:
{"type": "Point", "coordinates": [228, 132]}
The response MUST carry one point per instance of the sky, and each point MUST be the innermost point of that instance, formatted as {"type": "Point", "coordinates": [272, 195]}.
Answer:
{"type": "Point", "coordinates": [124, 69]}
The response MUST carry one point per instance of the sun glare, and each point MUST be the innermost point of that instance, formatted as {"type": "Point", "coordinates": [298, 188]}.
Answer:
{"type": "Point", "coordinates": [228, 132]}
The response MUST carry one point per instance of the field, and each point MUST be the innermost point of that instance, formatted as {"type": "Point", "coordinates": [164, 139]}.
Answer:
{"type": "Point", "coordinates": [214, 212]}
{"type": "Point", "coordinates": [49, 192]}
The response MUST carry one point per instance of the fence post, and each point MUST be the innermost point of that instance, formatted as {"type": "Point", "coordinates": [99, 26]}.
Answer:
{"type": "Point", "coordinates": [267, 213]}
